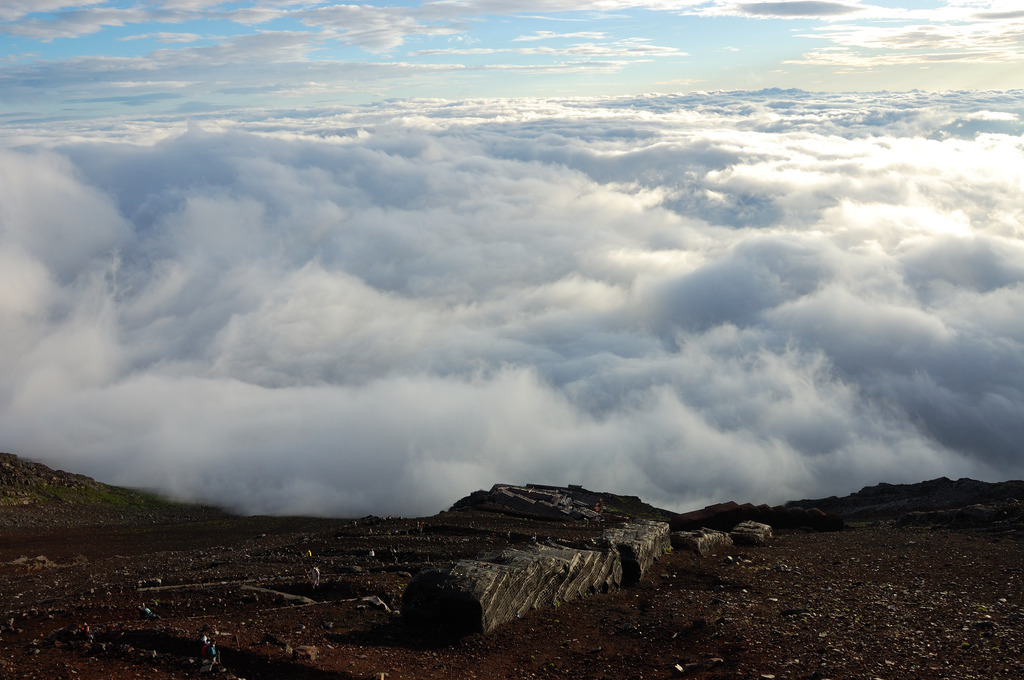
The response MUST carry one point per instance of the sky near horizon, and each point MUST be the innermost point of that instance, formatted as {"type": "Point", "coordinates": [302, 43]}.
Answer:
{"type": "Point", "coordinates": [306, 257]}
{"type": "Point", "coordinates": [82, 58]}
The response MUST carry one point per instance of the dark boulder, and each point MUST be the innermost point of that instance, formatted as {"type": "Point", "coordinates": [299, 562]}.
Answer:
{"type": "Point", "coordinates": [479, 595]}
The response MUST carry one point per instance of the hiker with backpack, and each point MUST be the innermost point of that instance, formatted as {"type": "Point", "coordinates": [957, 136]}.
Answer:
{"type": "Point", "coordinates": [208, 652]}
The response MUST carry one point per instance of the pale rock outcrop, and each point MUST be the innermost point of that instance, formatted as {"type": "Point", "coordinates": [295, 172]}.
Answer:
{"type": "Point", "coordinates": [751, 533]}
{"type": "Point", "coordinates": [700, 541]}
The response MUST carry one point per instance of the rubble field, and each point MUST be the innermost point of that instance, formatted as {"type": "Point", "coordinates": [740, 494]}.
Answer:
{"type": "Point", "coordinates": [876, 600]}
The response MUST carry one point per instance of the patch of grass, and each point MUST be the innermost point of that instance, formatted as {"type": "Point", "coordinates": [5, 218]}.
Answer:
{"type": "Point", "coordinates": [98, 494]}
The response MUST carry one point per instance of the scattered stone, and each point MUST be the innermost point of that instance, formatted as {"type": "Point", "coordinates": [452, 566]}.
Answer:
{"type": "Point", "coordinates": [794, 613]}
{"type": "Point", "coordinates": [628, 628]}
{"type": "Point", "coordinates": [306, 653]}
{"type": "Point", "coordinates": [376, 602]}
{"type": "Point", "coordinates": [349, 569]}
{"type": "Point", "coordinates": [269, 639]}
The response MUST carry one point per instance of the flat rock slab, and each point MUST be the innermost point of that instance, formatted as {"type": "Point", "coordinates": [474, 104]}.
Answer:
{"type": "Point", "coordinates": [288, 597]}
{"type": "Point", "coordinates": [479, 595]}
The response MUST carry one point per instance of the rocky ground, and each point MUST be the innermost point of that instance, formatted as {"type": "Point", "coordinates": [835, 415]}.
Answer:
{"type": "Point", "coordinates": [877, 600]}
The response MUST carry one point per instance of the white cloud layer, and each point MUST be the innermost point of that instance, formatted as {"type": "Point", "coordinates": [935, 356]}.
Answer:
{"type": "Point", "coordinates": [756, 296]}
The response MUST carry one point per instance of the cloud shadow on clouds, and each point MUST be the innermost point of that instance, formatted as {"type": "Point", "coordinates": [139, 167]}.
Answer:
{"type": "Point", "coordinates": [798, 8]}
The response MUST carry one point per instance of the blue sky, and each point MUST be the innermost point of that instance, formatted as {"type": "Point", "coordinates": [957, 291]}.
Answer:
{"type": "Point", "coordinates": [70, 59]}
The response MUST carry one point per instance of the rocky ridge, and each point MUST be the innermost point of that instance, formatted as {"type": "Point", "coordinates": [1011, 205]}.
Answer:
{"type": "Point", "coordinates": [889, 501]}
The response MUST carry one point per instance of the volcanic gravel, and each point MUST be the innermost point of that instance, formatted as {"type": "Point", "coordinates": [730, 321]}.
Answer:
{"type": "Point", "coordinates": [872, 601]}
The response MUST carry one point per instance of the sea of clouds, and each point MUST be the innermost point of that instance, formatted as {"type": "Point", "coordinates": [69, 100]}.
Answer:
{"type": "Point", "coordinates": [692, 298]}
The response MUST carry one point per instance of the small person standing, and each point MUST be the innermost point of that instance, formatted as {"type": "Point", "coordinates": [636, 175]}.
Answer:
{"type": "Point", "coordinates": [208, 652]}
{"type": "Point", "coordinates": [314, 577]}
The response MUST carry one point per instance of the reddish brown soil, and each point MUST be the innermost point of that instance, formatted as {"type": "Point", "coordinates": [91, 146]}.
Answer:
{"type": "Point", "coordinates": [871, 602]}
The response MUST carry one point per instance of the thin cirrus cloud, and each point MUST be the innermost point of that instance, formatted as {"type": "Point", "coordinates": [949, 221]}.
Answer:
{"type": "Point", "coordinates": [626, 48]}
{"type": "Point", "coordinates": [756, 296]}
{"type": "Point", "coordinates": [66, 58]}
{"type": "Point", "coordinates": [376, 29]}
{"type": "Point", "coordinates": [1016, 14]}
{"type": "Point", "coordinates": [76, 22]}
{"type": "Point", "coordinates": [550, 35]}
{"type": "Point", "coordinates": [13, 10]}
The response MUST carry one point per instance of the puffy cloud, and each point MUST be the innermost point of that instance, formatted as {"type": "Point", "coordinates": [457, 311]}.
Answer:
{"type": "Point", "coordinates": [50, 215]}
{"type": "Point", "coordinates": [737, 295]}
